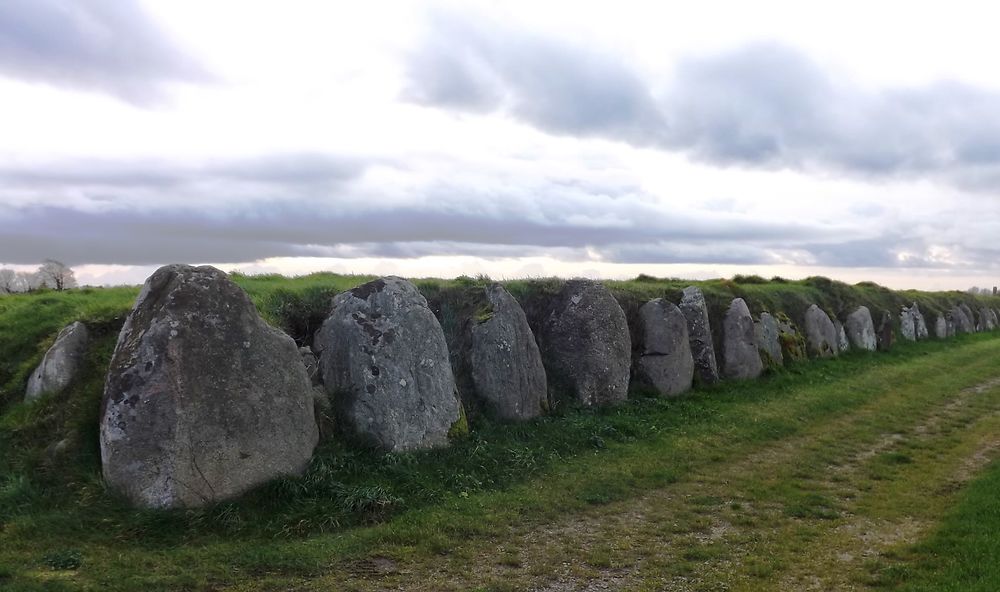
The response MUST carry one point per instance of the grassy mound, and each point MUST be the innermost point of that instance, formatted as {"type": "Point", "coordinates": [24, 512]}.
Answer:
{"type": "Point", "coordinates": [50, 465]}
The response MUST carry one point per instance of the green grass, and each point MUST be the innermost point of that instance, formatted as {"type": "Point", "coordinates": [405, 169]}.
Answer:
{"type": "Point", "coordinates": [963, 554]}
{"type": "Point", "coordinates": [59, 528]}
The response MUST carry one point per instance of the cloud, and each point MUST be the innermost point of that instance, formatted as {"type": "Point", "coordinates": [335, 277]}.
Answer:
{"type": "Point", "coordinates": [474, 66]}
{"type": "Point", "coordinates": [145, 212]}
{"type": "Point", "coordinates": [210, 186]}
{"type": "Point", "coordinates": [762, 105]}
{"type": "Point", "coordinates": [111, 46]}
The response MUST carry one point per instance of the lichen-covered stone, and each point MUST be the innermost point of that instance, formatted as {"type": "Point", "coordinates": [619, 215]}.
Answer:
{"type": "Point", "coordinates": [793, 343]}
{"type": "Point", "coordinates": [860, 329]}
{"type": "Point", "coordinates": [663, 355]}
{"type": "Point", "coordinates": [508, 377]}
{"type": "Point", "coordinates": [821, 334]}
{"type": "Point", "coordinates": [907, 329]}
{"type": "Point", "coordinates": [61, 364]}
{"type": "Point", "coordinates": [740, 357]}
{"type": "Point", "coordinates": [203, 399]}
{"type": "Point", "coordinates": [586, 346]}
{"type": "Point", "coordinates": [700, 334]}
{"type": "Point", "coordinates": [769, 340]}
{"type": "Point", "coordinates": [384, 362]}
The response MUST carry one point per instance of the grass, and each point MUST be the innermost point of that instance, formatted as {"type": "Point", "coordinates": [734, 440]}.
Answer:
{"type": "Point", "coordinates": [59, 528]}
{"type": "Point", "coordinates": [962, 554]}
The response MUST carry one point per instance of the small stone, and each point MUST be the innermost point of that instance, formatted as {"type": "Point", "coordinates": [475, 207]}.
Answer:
{"type": "Point", "coordinates": [61, 364]}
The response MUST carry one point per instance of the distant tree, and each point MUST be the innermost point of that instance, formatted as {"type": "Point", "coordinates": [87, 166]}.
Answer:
{"type": "Point", "coordinates": [55, 275]}
{"type": "Point", "coordinates": [974, 290]}
{"type": "Point", "coordinates": [8, 281]}
{"type": "Point", "coordinates": [27, 281]}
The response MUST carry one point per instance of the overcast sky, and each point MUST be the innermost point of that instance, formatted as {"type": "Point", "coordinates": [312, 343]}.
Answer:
{"type": "Point", "coordinates": [856, 140]}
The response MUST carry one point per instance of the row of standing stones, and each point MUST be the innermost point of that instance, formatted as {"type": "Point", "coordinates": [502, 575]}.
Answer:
{"type": "Point", "coordinates": [204, 400]}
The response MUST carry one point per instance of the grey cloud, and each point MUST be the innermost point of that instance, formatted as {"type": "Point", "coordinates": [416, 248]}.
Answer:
{"type": "Point", "coordinates": [147, 213]}
{"type": "Point", "coordinates": [284, 170]}
{"type": "Point", "coordinates": [111, 46]}
{"type": "Point", "coordinates": [763, 105]}
{"type": "Point", "coordinates": [473, 66]}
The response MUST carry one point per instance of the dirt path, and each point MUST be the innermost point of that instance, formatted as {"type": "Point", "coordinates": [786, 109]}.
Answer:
{"type": "Point", "coordinates": [818, 511]}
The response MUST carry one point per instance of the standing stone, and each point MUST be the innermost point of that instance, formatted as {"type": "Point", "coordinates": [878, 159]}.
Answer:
{"type": "Point", "coordinates": [586, 346]}
{"type": "Point", "coordinates": [61, 363]}
{"type": "Point", "coordinates": [963, 321]}
{"type": "Point", "coordinates": [821, 334]}
{"type": "Point", "coordinates": [907, 328]}
{"type": "Point", "coordinates": [941, 327]}
{"type": "Point", "coordinates": [203, 400]}
{"type": "Point", "coordinates": [740, 358]}
{"type": "Point", "coordinates": [384, 362]}
{"type": "Point", "coordinates": [969, 316]}
{"type": "Point", "coordinates": [700, 333]}
{"type": "Point", "coordinates": [986, 322]}
{"type": "Point", "coordinates": [507, 373]}
{"type": "Point", "coordinates": [885, 335]}
{"type": "Point", "coordinates": [919, 323]}
{"type": "Point", "coordinates": [843, 345]}
{"type": "Point", "coordinates": [861, 330]}
{"type": "Point", "coordinates": [663, 359]}
{"type": "Point", "coordinates": [768, 340]}
{"type": "Point", "coordinates": [793, 344]}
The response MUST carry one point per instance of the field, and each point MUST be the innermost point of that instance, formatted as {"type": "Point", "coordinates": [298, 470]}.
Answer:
{"type": "Point", "coordinates": [871, 471]}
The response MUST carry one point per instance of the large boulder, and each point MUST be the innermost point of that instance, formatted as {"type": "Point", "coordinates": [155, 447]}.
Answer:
{"type": "Point", "coordinates": [821, 334]}
{"type": "Point", "coordinates": [663, 357]}
{"type": "Point", "coordinates": [700, 334]}
{"type": "Point", "coordinates": [860, 329]}
{"type": "Point", "coordinates": [740, 358]}
{"type": "Point", "coordinates": [384, 362]}
{"type": "Point", "coordinates": [586, 345]}
{"type": "Point", "coordinates": [508, 377]}
{"type": "Point", "coordinates": [885, 335]}
{"type": "Point", "coordinates": [61, 364]}
{"type": "Point", "coordinates": [768, 336]}
{"type": "Point", "coordinates": [203, 399]}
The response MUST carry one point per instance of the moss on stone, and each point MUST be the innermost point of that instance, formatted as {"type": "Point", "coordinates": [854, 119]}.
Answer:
{"type": "Point", "coordinates": [460, 428]}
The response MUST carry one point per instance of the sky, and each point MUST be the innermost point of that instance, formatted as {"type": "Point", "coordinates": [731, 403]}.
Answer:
{"type": "Point", "coordinates": [855, 140]}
